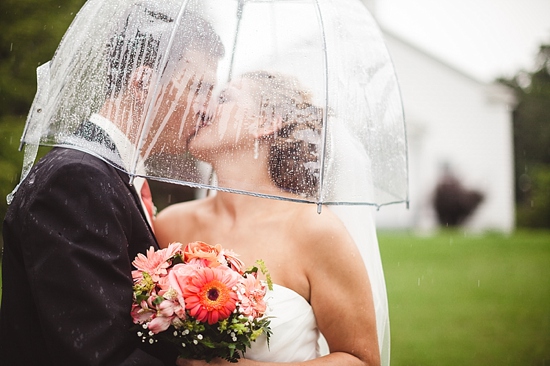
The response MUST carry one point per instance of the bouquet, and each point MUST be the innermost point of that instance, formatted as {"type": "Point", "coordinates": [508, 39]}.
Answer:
{"type": "Point", "coordinates": [201, 299]}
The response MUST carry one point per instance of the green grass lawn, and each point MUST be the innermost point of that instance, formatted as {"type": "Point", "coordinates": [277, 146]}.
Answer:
{"type": "Point", "coordinates": [468, 300]}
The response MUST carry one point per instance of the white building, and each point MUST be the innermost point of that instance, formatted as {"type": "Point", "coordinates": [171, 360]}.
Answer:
{"type": "Point", "coordinates": [454, 121]}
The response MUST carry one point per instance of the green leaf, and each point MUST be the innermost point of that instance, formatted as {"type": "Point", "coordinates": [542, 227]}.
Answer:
{"type": "Point", "coordinates": [158, 300]}
{"type": "Point", "coordinates": [265, 272]}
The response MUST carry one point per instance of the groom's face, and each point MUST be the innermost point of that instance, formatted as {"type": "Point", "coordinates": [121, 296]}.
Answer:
{"type": "Point", "coordinates": [183, 102]}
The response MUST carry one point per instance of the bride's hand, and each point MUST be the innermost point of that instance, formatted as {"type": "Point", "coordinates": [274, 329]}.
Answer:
{"type": "Point", "coordinates": [214, 362]}
{"type": "Point", "coordinates": [186, 362]}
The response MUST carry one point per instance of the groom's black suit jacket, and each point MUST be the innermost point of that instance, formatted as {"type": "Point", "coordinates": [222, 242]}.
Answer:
{"type": "Point", "coordinates": [70, 235]}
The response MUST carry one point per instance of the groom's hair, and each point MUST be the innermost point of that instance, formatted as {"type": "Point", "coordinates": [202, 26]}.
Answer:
{"type": "Point", "coordinates": [142, 36]}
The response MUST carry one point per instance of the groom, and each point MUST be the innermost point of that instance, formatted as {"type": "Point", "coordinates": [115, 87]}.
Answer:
{"type": "Point", "coordinates": [76, 223]}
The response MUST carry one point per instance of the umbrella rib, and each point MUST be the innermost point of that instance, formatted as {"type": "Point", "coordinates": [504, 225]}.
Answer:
{"type": "Point", "coordinates": [148, 117]}
{"type": "Point", "coordinates": [325, 111]}
{"type": "Point", "coordinates": [239, 17]}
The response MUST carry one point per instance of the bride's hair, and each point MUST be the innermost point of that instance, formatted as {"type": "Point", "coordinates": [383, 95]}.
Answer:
{"type": "Point", "coordinates": [294, 163]}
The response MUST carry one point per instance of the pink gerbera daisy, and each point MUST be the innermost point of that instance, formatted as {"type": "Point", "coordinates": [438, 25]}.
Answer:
{"type": "Point", "coordinates": [209, 295]}
{"type": "Point", "coordinates": [155, 263]}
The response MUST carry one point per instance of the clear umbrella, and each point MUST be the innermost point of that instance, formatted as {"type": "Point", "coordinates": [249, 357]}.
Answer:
{"type": "Point", "coordinates": [188, 87]}
{"type": "Point", "coordinates": [333, 49]}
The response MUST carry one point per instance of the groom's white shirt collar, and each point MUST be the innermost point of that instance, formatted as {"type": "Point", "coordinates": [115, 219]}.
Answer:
{"type": "Point", "coordinates": [125, 148]}
{"type": "Point", "coordinates": [127, 152]}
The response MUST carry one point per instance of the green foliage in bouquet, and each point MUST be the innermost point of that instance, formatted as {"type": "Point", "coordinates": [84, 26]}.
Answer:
{"type": "Point", "coordinates": [229, 339]}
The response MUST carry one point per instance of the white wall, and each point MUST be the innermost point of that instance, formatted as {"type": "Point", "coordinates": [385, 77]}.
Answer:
{"type": "Point", "coordinates": [455, 120]}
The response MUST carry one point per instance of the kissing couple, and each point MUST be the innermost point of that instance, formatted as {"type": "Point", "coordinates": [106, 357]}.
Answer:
{"type": "Point", "coordinates": [137, 95]}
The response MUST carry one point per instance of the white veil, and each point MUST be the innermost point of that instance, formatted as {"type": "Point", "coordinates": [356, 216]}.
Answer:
{"type": "Point", "coordinates": [359, 220]}
{"type": "Point", "coordinates": [360, 223]}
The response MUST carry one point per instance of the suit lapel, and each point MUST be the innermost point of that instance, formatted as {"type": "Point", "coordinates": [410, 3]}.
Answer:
{"type": "Point", "coordinates": [95, 134]}
{"type": "Point", "coordinates": [126, 179]}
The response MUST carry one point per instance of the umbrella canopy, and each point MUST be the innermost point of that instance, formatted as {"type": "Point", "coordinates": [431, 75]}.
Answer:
{"type": "Point", "coordinates": [324, 87]}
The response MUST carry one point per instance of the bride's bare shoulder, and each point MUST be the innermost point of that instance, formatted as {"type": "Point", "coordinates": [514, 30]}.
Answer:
{"type": "Point", "coordinates": [328, 248]}
{"type": "Point", "coordinates": [324, 229]}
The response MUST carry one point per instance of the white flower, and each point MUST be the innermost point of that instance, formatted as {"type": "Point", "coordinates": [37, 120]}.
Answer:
{"type": "Point", "coordinates": [171, 294]}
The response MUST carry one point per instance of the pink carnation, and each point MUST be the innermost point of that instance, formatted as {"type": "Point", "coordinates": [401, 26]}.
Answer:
{"type": "Point", "coordinates": [232, 261]}
{"type": "Point", "coordinates": [251, 296]}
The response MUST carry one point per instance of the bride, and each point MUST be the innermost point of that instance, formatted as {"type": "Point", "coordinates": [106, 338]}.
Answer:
{"type": "Point", "coordinates": [258, 141]}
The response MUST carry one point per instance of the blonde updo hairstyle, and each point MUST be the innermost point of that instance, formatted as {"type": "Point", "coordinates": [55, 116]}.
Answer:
{"type": "Point", "coordinates": [294, 162]}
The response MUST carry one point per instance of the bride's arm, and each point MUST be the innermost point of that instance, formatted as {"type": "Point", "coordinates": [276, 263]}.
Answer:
{"type": "Point", "coordinates": [341, 296]}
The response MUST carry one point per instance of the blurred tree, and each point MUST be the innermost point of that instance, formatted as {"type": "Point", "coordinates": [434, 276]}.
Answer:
{"type": "Point", "coordinates": [454, 203]}
{"type": "Point", "coordinates": [531, 119]}
{"type": "Point", "coordinates": [31, 31]}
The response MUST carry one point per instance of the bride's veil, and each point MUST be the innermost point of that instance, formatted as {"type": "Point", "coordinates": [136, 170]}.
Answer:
{"type": "Point", "coordinates": [348, 155]}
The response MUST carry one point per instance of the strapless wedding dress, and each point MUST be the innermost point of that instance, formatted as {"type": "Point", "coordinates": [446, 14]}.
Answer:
{"type": "Point", "coordinates": [295, 334]}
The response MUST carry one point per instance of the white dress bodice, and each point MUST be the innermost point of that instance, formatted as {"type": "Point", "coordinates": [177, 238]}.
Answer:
{"type": "Point", "coordinates": [295, 334]}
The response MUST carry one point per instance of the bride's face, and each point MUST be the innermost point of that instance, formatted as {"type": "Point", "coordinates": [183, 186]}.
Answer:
{"type": "Point", "coordinates": [233, 124]}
